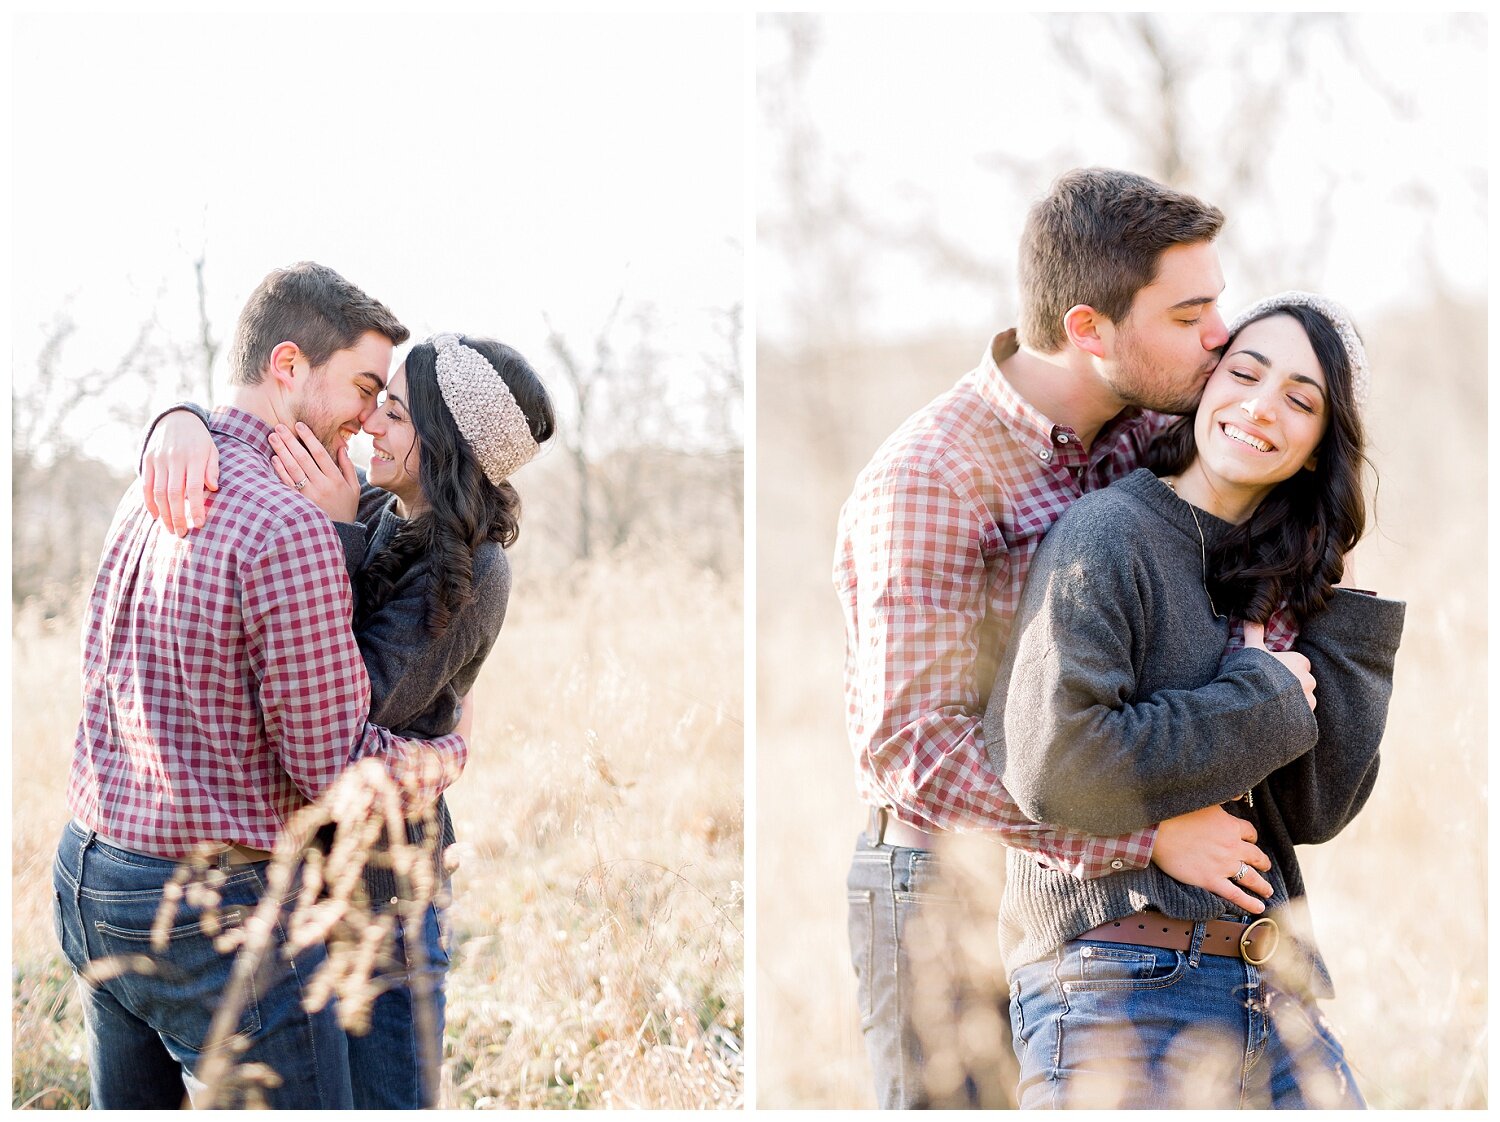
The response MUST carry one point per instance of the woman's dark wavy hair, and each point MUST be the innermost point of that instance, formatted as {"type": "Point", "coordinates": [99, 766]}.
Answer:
{"type": "Point", "coordinates": [1292, 547]}
{"type": "Point", "coordinates": [464, 509]}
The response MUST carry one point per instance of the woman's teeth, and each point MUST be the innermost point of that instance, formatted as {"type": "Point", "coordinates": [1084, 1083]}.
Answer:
{"type": "Point", "coordinates": [1245, 438]}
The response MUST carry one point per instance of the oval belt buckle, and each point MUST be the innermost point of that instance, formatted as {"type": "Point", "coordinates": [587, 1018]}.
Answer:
{"type": "Point", "coordinates": [1249, 934]}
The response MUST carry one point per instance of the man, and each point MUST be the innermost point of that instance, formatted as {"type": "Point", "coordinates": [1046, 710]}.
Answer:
{"type": "Point", "coordinates": [1119, 287]}
{"type": "Point", "coordinates": [223, 690]}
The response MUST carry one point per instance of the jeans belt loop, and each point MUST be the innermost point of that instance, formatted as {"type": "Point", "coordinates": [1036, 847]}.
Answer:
{"type": "Point", "coordinates": [1195, 948]}
{"type": "Point", "coordinates": [879, 816]}
{"type": "Point", "coordinates": [89, 836]}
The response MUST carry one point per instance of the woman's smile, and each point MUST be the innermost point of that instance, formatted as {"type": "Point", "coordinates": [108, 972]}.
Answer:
{"type": "Point", "coordinates": [395, 457]}
{"type": "Point", "coordinates": [1257, 442]}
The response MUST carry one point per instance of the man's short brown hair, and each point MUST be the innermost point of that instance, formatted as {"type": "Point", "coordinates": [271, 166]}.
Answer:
{"type": "Point", "coordinates": [310, 305]}
{"type": "Point", "coordinates": [1097, 238]}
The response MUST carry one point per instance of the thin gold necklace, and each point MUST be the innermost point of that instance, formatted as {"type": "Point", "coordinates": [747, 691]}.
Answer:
{"type": "Point", "coordinates": [1202, 547]}
{"type": "Point", "coordinates": [1248, 798]}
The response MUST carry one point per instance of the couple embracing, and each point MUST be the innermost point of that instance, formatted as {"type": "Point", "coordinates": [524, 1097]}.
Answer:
{"type": "Point", "coordinates": [1096, 605]}
{"type": "Point", "coordinates": [239, 655]}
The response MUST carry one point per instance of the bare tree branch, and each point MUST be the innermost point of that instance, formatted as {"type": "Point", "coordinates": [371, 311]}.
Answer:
{"type": "Point", "coordinates": [208, 346]}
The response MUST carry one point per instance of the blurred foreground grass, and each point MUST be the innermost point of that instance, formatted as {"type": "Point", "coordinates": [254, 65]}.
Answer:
{"type": "Point", "coordinates": [598, 909]}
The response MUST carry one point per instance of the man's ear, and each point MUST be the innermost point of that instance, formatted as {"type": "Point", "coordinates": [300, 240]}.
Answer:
{"type": "Point", "coordinates": [287, 362]}
{"type": "Point", "coordinates": [1087, 329]}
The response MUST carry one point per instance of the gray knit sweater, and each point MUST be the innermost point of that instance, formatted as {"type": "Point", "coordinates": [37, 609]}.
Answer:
{"type": "Point", "coordinates": [416, 681]}
{"type": "Point", "coordinates": [1116, 708]}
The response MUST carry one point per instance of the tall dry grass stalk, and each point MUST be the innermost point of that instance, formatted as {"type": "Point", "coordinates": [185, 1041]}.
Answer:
{"type": "Point", "coordinates": [597, 906]}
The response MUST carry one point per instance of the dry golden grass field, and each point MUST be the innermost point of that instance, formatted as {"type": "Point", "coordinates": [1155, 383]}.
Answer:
{"type": "Point", "coordinates": [1399, 900]}
{"type": "Point", "coordinates": [598, 909]}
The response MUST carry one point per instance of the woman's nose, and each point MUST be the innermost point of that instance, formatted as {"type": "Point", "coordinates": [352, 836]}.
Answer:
{"type": "Point", "coordinates": [1256, 408]}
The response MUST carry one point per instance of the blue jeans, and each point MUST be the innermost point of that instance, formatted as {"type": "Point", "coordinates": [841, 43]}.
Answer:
{"type": "Point", "coordinates": [387, 1063]}
{"type": "Point", "coordinates": [1112, 1025]}
{"type": "Point", "coordinates": [147, 1026]}
{"type": "Point", "coordinates": [898, 895]}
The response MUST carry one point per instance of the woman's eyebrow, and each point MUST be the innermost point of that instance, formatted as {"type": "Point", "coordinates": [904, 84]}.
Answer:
{"type": "Point", "coordinates": [1309, 381]}
{"type": "Point", "coordinates": [1268, 364]}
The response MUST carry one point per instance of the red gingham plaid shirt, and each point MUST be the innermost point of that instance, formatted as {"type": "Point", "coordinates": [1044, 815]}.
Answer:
{"type": "Point", "coordinates": [222, 686]}
{"type": "Point", "coordinates": [934, 547]}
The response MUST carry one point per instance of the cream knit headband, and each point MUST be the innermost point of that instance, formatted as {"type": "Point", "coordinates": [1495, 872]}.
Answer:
{"type": "Point", "coordinates": [483, 408]}
{"type": "Point", "coordinates": [1359, 365]}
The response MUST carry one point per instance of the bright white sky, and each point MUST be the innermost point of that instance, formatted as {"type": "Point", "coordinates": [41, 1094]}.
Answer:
{"type": "Point", "coordinates": [472, 172]}
{"type": "Point", "coordinates": [913, 112]}
{"type": "Point", "coordinates": [477, 171]}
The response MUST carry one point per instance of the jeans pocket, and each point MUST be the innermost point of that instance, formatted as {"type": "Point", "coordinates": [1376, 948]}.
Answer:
{"type": "Point", "coordinates": [439, 953]}
{"type": "Point", "coordinates": [61, 931]}
{"type": "Point", "coordinates": [1314, 1052]}
{"type": "Point", "coordinates": [1101, 965]}
{"type": "Point", "coordinates": [862, 950]}
{"type": "Point", "coordinates": [177, 991]}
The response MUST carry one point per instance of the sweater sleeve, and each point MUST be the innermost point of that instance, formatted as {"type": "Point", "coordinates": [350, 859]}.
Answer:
{"type": "Point", "coordinates": [1352, 649]}
{"type": "Point", "coordinates": [409, 669]}
{"type": "Point", "coordinates": [1063, 729]}
{"type": "Point", "coordinates": [355, 536]}
{"type": "Point", "coordinates": [189, 406]}
{"type": "Point", "coordinates": [352, 541]}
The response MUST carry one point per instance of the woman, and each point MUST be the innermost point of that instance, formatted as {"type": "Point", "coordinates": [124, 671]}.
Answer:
{"type": "Point", "coordinates": [1119, 706]}
{"type": "Point", "coordinates": [424, 540]}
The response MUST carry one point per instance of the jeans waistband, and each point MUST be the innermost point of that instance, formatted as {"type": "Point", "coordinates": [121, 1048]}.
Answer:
{"type": "Point", "coordinates": [228, 857]}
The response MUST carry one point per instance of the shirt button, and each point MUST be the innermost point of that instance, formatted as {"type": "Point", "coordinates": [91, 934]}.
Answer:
{"type": "Point", "coordinates": [1117, 864]}
{"type": "Point", "coordinates": [1062, 438]}
{"type": "Point", "coordinates": [1045, 453]}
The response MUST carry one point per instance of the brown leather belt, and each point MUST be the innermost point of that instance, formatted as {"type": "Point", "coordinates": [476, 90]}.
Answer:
{"type": "Point", "coordinates": [1255, 941]}
{"type": "Point", "coordinates": [243, 855]}
{"type": "Point", "coordinates": [886, 829]}
{"type": "Point", "coordinates": [231, 854]}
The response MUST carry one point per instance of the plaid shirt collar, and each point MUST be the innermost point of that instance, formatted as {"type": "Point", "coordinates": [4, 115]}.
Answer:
{"type": "Point", "coordinates": [244, 427]}
{"type": "Point", "coordinates": [1024, 420]}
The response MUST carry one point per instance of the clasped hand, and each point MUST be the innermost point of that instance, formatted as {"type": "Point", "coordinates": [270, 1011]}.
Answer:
{"type": "Point", "coordinates": [302, 462]}
{"type": "Point", "coordinates": [181, 463]}
{"type": "Point", "coordinates": [1207, 848]}
{"type": "Point", "coordinates": [1255, 636]}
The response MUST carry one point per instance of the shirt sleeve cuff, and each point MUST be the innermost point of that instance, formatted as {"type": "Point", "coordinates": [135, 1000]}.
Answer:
{"type": "Point", "coordinates": [1139, 856]}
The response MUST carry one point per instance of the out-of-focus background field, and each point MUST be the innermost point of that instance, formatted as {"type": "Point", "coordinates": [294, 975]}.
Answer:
{"type": "Point", "coordinates": [889, 216]}
{"type": "Point", "coordinates": [598, 911]}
